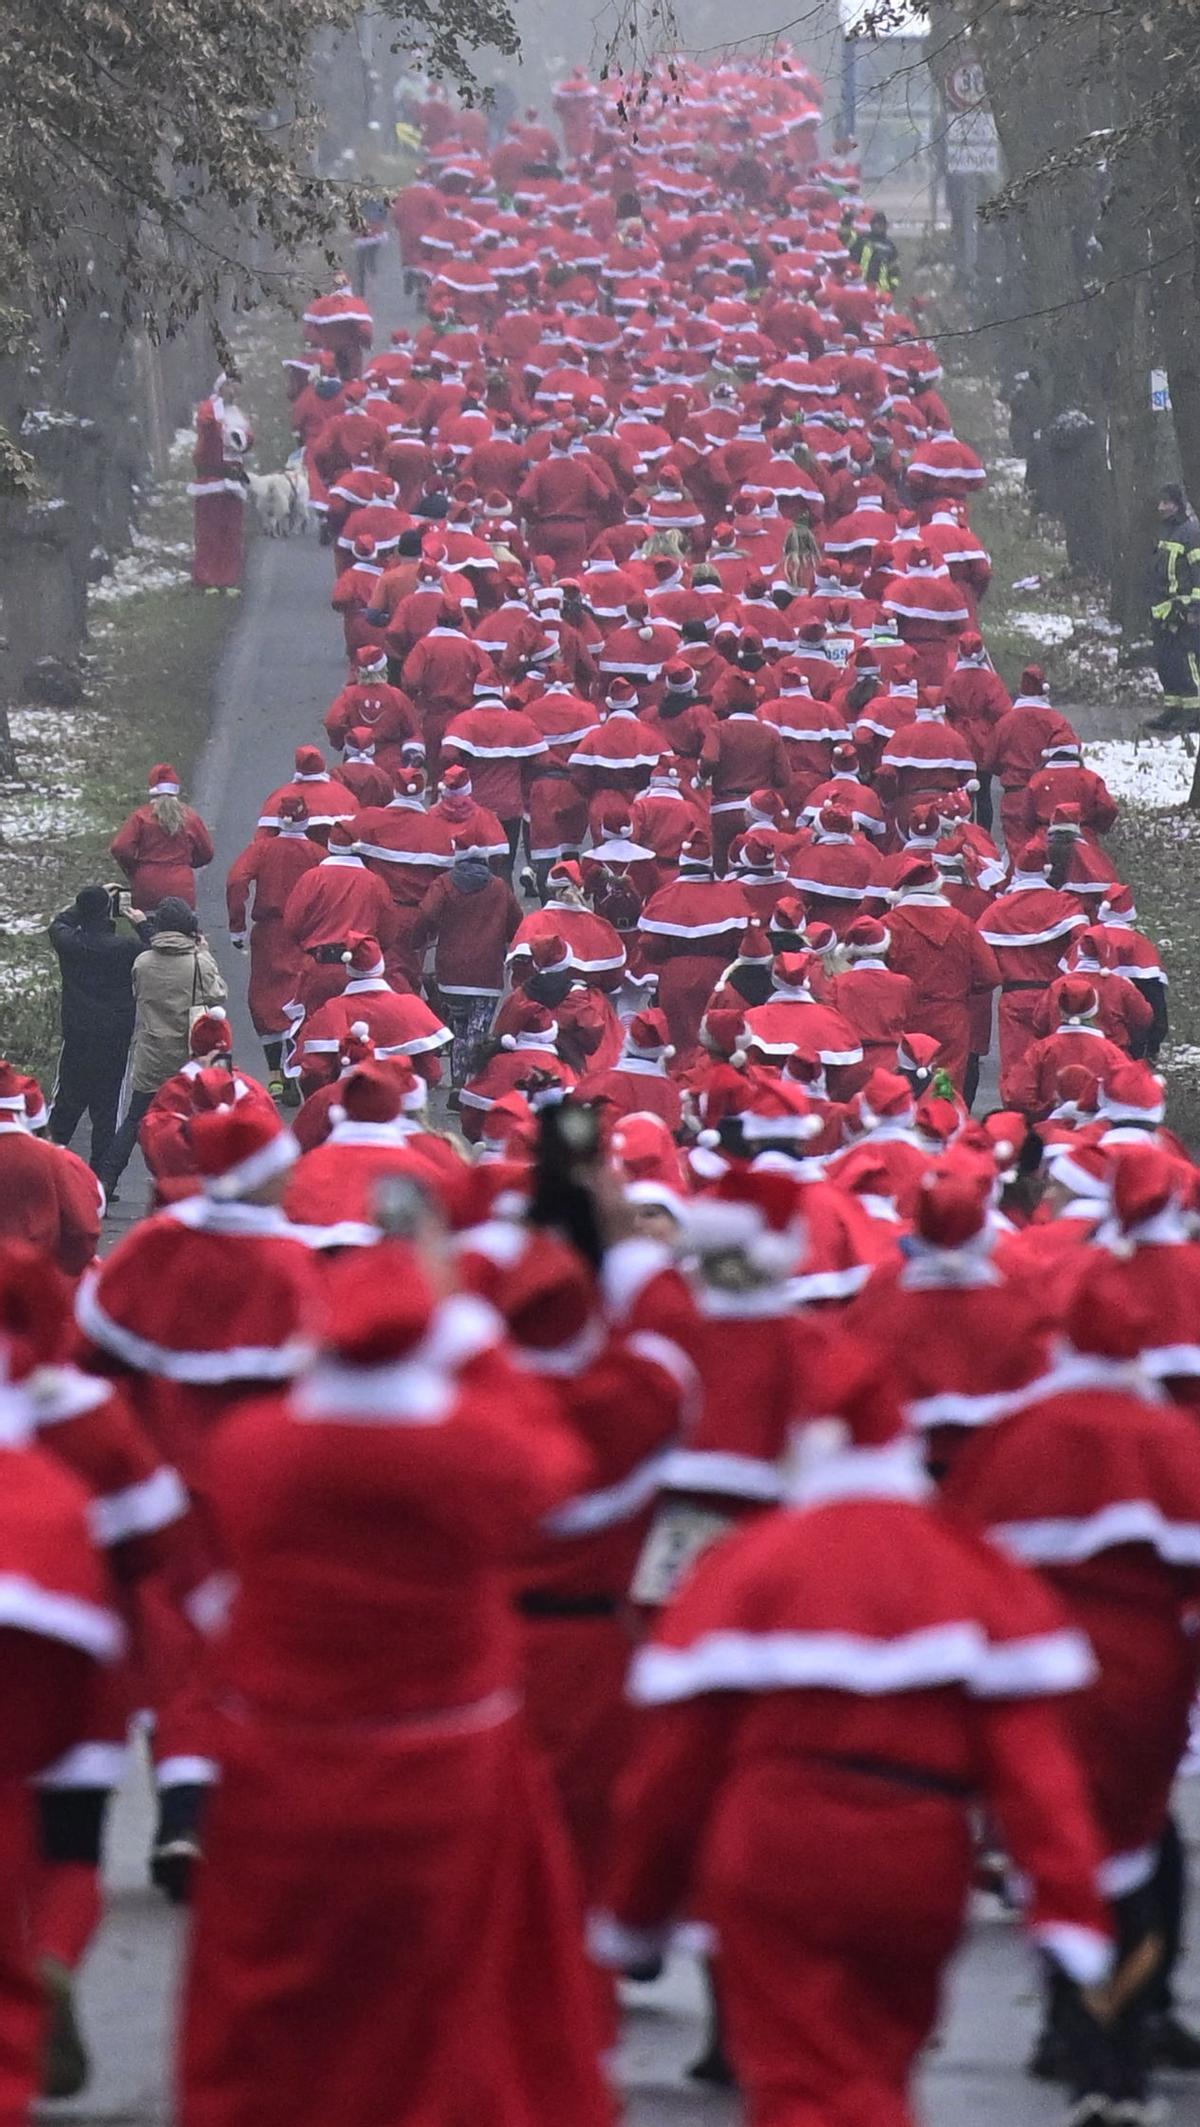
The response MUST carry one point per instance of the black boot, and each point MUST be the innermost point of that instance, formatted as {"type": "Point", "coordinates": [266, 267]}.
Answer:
{"type": "Point", "coordinates": [176, 1847]}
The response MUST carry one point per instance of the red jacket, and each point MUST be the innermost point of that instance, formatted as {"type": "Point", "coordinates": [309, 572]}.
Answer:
{"type": "Point", "coordinates": [157, 863]}
{"type": "Point", "coordinates": [470, 929]}
{"type": "Point", "coordinates": [949, 963]}
{"type": "Point", "coordinates": [328, 905]}
{"type": "Point", "coordinates": [48, 1197]}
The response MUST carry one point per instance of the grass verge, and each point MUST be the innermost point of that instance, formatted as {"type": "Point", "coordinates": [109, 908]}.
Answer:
{"type": "Point", "coordinates": [151, 660]}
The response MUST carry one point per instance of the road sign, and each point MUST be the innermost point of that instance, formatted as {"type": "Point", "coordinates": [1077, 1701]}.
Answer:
{"type": "Point", "coordinates": [965, 88]}
{"type": "Point", "coordinates": [972, 148]}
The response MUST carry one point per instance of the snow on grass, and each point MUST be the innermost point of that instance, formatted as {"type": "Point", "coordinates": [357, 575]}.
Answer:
{"type": "Point", "coordinates": [133, 575]}
{"type": "Point", "coordinates": [1048, 628]}
{"type": "Point", "coordinates": [1007, 476]}
{"type": "Point", "coordinates": [1151, 774]}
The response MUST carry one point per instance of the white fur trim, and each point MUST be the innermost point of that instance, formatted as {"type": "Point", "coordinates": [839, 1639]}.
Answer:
{"type": "Point", "coordinates": [894, 1471]}
{"type": "Point", "coordinates": [612, 1504]}
{"type": "Point", "coordinates": [204, 1368]}
{"type": "Point", "coordinates": [722, 1472]}
{"type": "Point", "coordinates": [418, 1390]}
{"type": "Point", "coordinates": [275, 1157]}
{"type": "Point", "coordinates": [184, 1771]}
{"type": "Point", "coordinates": [934, 1656]}
{"type": "Point", "coordinates": [87, 1765]}
{"type": "Point", "coordinates": [139, 1509]}
{"type": "Point", "coordinates": [26, 1606]}
{"type": "Point", "coordinates": [1083, 1954]}
{"type": "Point", "coordinates": [628, 1267]}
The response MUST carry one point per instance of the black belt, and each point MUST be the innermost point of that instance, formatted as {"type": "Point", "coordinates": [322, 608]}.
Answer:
{"type": "Point", "coordinates": [1008, 986]}
{"type": "Point", "coordinates": [532, 1603]}
{"type": "Point", "coordinates": [917, 1778]}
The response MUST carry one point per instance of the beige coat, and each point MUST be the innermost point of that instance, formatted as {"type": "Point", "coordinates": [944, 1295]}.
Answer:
{"type": "Point", "coordinates": [172, 975]}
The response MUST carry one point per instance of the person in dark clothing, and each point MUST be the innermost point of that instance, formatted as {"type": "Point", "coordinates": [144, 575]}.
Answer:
{"type": "Point", "coordinates": [470, 917]}
{"type": "Point", "coordinates": [97, 941]}
{"type": "Point", "coordinates": [1175, 612]}
{"type": "Point", "coordinates": [873, 252]}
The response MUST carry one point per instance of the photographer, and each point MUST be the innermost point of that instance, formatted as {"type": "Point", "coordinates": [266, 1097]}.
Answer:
{"type": "Point", "coordinates": [174, 980]}
{"type": "Point", "coordinates": [97, 941]}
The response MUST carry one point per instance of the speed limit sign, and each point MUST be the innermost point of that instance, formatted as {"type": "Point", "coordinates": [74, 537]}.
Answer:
{"type": "Point", "coordinates": [965, 88]}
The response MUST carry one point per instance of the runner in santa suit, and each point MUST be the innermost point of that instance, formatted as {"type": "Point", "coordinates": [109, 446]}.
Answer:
{"type": "Point", "coordinates": [370, 1731]}
{"type": "Point", "coordinates": [1094, 1481]}
{"type": "Point", "coordinates": [590, 1035]}
{"type": "Point", "coordinates": [575, 101]}
{"type": "Point", "coordinates": [1063, 780]}
{"type": "Point", "coordinates": [58, 1623]}
{"type": "Point", "coordinates": [398, 1023]}
{"type": "Point", "coordinates": [637, 1083]}
{"type": "Point", "coordinates": [931, 613]}
{"type": "Point", "coordinates": [444, 673]}
{"type": "Point", "coordinates": [947, 959]}
{"type": "Point", "coordinates": [557, 825]}
{"type": "Point", "coordinates": [529, 1050]}
{"type": "Point", "coordinates": [269, 868]}
{"type": "Point", "coordinates": [218, 492]}
{"type": "Point", "coordinates": [325, 799]}
{"type": "Point", "coordinates": [816, 1739]}
{"type": "Point", "coordinates": [743, 752]}
{"type": "Point", "coordinates": [976, 699]}
{"type": "Point", "coordinates": [329, 904]}
{"type": "Point", "coordinates": [48, 1196]}
{"type": "Point", "coordinates": [375, 1136]}
{"type": "Point", "coordinates": [873, 998]}
{"type": "Point", "coordinates": [340, 324]}
{"type": "Point", "coordinates": [139, 1516]}
{"type": "Point", "coordinates": [597, 954]}
{"type": "Point", "coordinates": [795, 1017]}
{"type": "Point", "coordinates": [1021, 741]}
{"type": "Point", "coordinates": [1078, 1038]}
{"type": "Point", "coordinates": [162, 845]}
{"type": "Point", "coordinates": [383, 710]}
{"type": "Point", "coordinates": [1126, 1015]}
{"type": "Point", "coordinates": [923, 759]}
{"type": "Point", "coordinates": [687, 929]}
{"type": "Point", "coordinates": [192, 1310]}
{"type": "Point", "coordinates": [1028, 929]}
{"type": "Point", "coordinates": [564, 504]}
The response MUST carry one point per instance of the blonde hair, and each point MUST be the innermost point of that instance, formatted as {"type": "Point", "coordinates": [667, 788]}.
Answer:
{"type": "Point", "coordinates": [169, 813]}
{"type": "Point", "coordinates": [671, 544]}
{"type": "Point", "coordinates": [800, 551]}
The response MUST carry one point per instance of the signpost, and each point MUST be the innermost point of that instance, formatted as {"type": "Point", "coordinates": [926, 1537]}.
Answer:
{"type": "Point", "coordinates": [971, 144]}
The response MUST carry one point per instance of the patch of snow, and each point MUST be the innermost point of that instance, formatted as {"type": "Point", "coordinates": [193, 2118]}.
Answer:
{"type": "Point", "coordinates": [1181, 1056]}
{"type": "Point", "coordinates": [1046, 628]}
{"type": "Point", "coordinates": [1007, 476]}
{"type": "Point", "coordinates": [182, 444]}
{"type": "Point", "coordinates": [1151, 774]}
{"type": "Point", "coordinates": [24, 926]}
{"type": "Point", "coordinates": [133, 575]}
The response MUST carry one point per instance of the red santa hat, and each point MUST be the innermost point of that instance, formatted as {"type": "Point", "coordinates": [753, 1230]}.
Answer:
{"type": "Point", "coordinates": [164, 781]}
{"type": "Point", "coordinates": [1118, 901]}
{"type": "Point", "coordinates": [565, 872]}
{"type": "Point", "coordinates": [360, 743]}
{"type": "Point", "coordinates": [835, 818]}
{"type": "Point", "coordinates": [843, 756]}
{"type": "Point", "coordinates": [1033, 858]}
{"type": "Point", "coordinates": [779, 1112]}
{"type": "Point", "coordinates": [1132, 1092]}
{"type": "Point", "coordinates": [363, 548]}
{"type": "Point", "coordinates": [696, 854]}
{"type": "Point", "coordinates": [794, 971]}
{"type": "Point", "coordinates": [547, 1297]}
{"type": "Point", "coordinates": [551, 955]}
{"type": "Point", "coordinates": [722, 1031]}
{"type": "Point", "coordinates": [381, 1307]}
{"type": "Point", "coordinates": [455, 782]}
{"type": "Point", "coordinates": [12, 1091]}
{"type": "Point", "coordinates": [866, 939]}
{"type": "Point", "coordinates": [1033, 682]}
{"type": "Point", "coordinates": [622, 694]}
{"type": "Point", "coordinates": [1077, 1000]}
{"type": "Point", "coordinates": [1066, 820]}
{"type": "Point", "coordinates": [355, 1047]}
{"type": "Point", "coordinates": [788, 918]}
{"type": "Point", "coordinates": [238, 1148]}
{"type": "Point", "coordinates": [767, 807]}
{"type": "Point", "coordinates": [971, 650]}
{"type": "Point", "coordinates": [309, 762]}
{"type": "Point", "coordinates": [341, 836]}
{"type": "Point", "coordinates": [757, 854]}
{"type": "Point", "coordinates": [860, 1431]}
{"type": "Point", "coordinates": [952, 1206]}
{"type": "Point", "coordinates": [679, 676]}
{"type": "Point", "coordinates": [916, 875]}
{"type": "Point", "coordinates": [369, 659]}
{"type": "Point", "coordinates": [886, 1098]}
{"type": "Point", "coordinates": [1086, 1170]}
{"type": "Point", "coordinates": [363, 954]}
{"type": "Point", "coordinates": [293, 808]}
{"type": "Point", "coordinates": [533, 1027]}
{"type": "Point", "coordinates": [409, 782]}
{"type": "Point", "coordinates": [1145, 1180]}
{"type": "Point", "coordinates": [211, 1033]}
{"type": "Point", "coordinates": [918, 1054]}
{"type": "Point", "coordinates": [374, 1092]}
{"type": "Point", "coordinates": [647, 1039]}
{"type": "Point", "coordinates": [937, 1119]}
{"type": "Point", "coordinates": [754, 1213]}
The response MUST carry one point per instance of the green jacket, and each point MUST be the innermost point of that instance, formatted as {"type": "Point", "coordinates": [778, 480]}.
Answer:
{"type": "Point", "coordinates": [1175, 573]}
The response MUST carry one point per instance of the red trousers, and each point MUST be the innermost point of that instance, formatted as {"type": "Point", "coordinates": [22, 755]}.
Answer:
{"type": "Point", "coordinates": [836, 1907]}
{"type": "Point", "coordinates": [220, 539]}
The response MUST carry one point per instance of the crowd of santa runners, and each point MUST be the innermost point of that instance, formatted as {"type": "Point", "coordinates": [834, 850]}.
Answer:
{"type": "Point", "coordinates": [665, 1411]}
